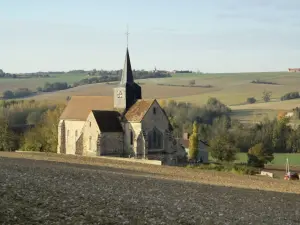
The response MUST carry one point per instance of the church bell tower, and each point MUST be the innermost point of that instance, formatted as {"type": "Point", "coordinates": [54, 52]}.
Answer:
{"type": "Point", "coordinates": [128, 92]}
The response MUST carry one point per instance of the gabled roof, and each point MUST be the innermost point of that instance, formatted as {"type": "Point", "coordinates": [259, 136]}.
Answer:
{"type": "Point", "coordinates": [79, 107]}
{"type": "Point", "coordinates": [127, 76]}
{"type": "Point", "coordinates": [137, 112]}
{"type": "Point", "coordinates": [185, 143]}
{"type": "Point", "coordinates": [108, 121]}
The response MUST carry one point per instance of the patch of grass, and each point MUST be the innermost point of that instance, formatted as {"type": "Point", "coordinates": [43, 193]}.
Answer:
{"type": "Point", "coordinates": [279, 158]}
{"type": "Point", "coordinates": [233, 168]}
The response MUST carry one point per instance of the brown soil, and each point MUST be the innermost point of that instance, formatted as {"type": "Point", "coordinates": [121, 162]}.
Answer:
{"type": "Point", "coordinates": [45, 189]}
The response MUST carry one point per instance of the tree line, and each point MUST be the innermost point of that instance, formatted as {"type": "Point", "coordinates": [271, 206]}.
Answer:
{"type": "Point", "coordinates": [225, 135]}
{"type": "Point", "coordinates": [25, 92]}
{"type": "Point", "coordinates": [229, 136]}
{"type": "Point", "coordinates": [111, 76]}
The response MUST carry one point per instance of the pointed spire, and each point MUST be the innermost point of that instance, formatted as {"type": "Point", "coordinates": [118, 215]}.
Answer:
{"type": "Point", "coordinates": [127, 76]}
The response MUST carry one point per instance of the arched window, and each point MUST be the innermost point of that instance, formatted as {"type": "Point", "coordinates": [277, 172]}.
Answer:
{"type": "Point", "coordinates": [154, 110]}
{"type": "Point", "coordinates": [90, 143]}
{"type": "Point", "coordinates": [131, 137]}
{"type": "Point", "coordinates": [76, 133]}
{"type": "Point", "coordinates": [155, 139]}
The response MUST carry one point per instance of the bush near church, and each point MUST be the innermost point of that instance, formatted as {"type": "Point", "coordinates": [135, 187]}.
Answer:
{"type": "Point", "coordinates": [258, 156]}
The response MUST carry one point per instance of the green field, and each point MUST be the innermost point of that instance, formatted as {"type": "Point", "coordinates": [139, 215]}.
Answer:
{"type": "Point", "coordinates": [279, 159]}
{"type": "Point", "coordinates": [33, 83]}
{"type": "Point", "coordinates": [231, 89]}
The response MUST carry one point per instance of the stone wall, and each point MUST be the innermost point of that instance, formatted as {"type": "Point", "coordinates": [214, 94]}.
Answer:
{"type": "Point", "coordinates": [72, 127]}
{"type": "Point", "coordinates": [111, 143]}
{"type": "Point", "coordinates": [61, 145]}
{"type": "Point", "coordinates": [79, 145]}
{"type": "Point", "coordinates": [159, 120]}
{"type": "Point", "coordinates": [91, 135]}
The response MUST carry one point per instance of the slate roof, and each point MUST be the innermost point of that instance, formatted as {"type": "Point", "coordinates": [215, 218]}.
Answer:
{"type": "Point", "coordinates": [79, 107]}
{"type": "Point", "coordinates": [127, 76]}
{"type": "Point", "coordinates": [137, 112]}
{"type": "Point", "coordinates": [108, 121]}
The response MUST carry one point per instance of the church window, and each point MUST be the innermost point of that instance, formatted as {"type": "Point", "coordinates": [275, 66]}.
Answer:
{"type": "Point", "coordinates": [90, 123]}
{"type": "Point", "coordinates": [131, 137]}
{"type": "Point", "coordinates": [76, 133]}
{"type": "Point", "coordinates": [154, 110]}
{"type": "Point", "coordinates": [90, 143]}
{"type": "Point", "coordinates": [155, 139]}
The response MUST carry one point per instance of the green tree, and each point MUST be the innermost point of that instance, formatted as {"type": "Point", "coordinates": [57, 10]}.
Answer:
{"type": "Point", "coordinates": [267, 96]}
{"type": "Point", "coordinates": [281, 133]}
{"type": "Point", "coordinates": [293, 141]}
{"type": "Point", "coordinates": [222, 148]}
{"type": "Point", "coordinates": [8, 94]}
{"type": "Point", "coordinates": [259, 155]}
{"type": "Point", "coordinates": [193, 142]}
{"type": "Point", "coordinates": [6, 136]}
{"type": "Point", "coordinates": [33, 117]}
{"type": "Point", "coordinates": [251, 100]}
{"type": "Point", "coordinates": [43, 137]}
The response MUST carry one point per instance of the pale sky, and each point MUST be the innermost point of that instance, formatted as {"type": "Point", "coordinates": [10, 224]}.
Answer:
{"type": "Point", "coordinates": [210, 36]}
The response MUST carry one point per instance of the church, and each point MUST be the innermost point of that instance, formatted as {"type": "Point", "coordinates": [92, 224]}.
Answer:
{"type": "Point", "coordinates": [122, 125]}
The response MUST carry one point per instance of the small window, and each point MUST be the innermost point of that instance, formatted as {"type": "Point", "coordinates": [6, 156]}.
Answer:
{"type": "Point", "coordinates": [76, 133]}
{"type": "Point", "coordinates": [90, 143]}
{"type": "Point", "coordinates": [154, 110]}
{"type": "Point", "coordinates": [90, 123]}
{"type": "Point", "coordinates": [131, 137]}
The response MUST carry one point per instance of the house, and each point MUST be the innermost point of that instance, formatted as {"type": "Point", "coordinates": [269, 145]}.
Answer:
{"type": "Point", "coordinates": [295, 70]}
{"type": "Point", "coordinates": [202, 148]}
{"type": "Point", "coordinates": [289, 114]}
{"type": "Point", "coordinates": [122, 125]}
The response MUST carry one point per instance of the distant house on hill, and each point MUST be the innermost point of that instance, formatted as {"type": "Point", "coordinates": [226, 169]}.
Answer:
{"type": "Point", "coordinates": [202, 148]}
{"type": "Point", "coordinates": [295, 70]}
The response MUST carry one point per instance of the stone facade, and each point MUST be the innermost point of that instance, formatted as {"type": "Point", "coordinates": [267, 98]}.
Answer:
{"type": "Point", "coordinates": [133, 128]}
{"type": "Point", "coordinates": [136, 140]}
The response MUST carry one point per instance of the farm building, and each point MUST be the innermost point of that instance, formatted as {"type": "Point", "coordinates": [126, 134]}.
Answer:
{"type": "Point", "coordinates": [202, 148]}
{"type": "Point", "coordinates": [122, 125]}
{"type": "Point", "coordinates": [294, 70]}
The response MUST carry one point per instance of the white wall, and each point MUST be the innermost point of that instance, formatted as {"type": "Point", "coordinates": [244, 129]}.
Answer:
{"type": "Point", "coordinates": [90, 130]}
{"type": "Point", "coordinates": [71, 126]}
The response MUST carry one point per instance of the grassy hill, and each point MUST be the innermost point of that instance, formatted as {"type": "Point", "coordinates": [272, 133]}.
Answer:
{"type": "Point", "coordinates": [232, 89]}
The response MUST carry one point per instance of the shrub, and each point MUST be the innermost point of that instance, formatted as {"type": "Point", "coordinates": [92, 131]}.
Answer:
{"type": "Point", "coordinates": [192, 82]}
{"type": "Point", "coordinates": [258, 156]}
{"type": "Point", "coordinates": [233, 168]}
{"type": "Point", "coordinates": [223, 149]}
{"type": "Point", "coordinates": [290, 95]}
{"type": "Point", "coordinates": [193, 142]}
{"type": "Point", "coordinates": [20, 93]}
{"type": "Point", "coordinates": [244, 169]}
{"type": "Point", "coordinates": [251, 100]}
{"type": "Point", "coordinates": [8, 94]}
{"type": "Point", "coordinates": [267, 96]}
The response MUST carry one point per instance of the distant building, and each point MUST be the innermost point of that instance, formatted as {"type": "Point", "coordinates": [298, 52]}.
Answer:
{"type": "Point", "coordinates": [182, 71]}
{"type": "Point", "coordinates": [202, 148]}
{"type": "Point", "coordinates": [295, 70]}
{"type": "Point", "coordinates": [289, 114]}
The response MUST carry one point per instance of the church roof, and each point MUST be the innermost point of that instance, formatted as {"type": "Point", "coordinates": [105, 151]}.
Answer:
{"type": "Point", "coordinates": [108, 121]}
{"type": "Point", "coordinates": [137, 112]}
{"type": "Point", "coordinates": [127, 76]}
{"type": "Point", "coordinates": [79, 107]}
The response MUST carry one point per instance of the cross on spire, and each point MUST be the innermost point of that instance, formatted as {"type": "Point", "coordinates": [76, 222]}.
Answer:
{"type": "Point", "coordinates": [127, 34]}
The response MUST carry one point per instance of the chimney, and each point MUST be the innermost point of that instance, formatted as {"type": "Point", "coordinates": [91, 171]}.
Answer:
{"type": "Point", "coordinates": [186, 136]}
